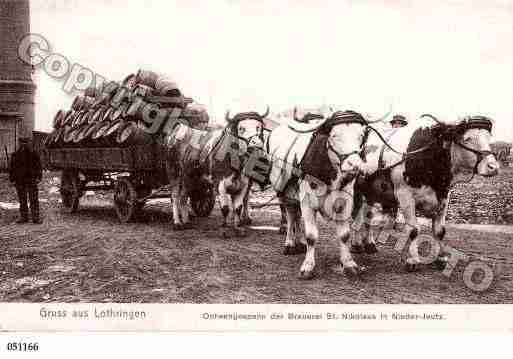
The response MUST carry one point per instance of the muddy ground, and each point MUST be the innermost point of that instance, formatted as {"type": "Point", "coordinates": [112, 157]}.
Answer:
{"type": "Point", "coordinates": [91, 257]}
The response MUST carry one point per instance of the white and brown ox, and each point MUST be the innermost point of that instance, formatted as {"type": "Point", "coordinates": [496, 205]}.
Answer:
{"type": "Point", "coordinates": [414, 169]}
{"type": "Point", "coordinates": [218, 156]}
{"type": "Point", "coordinates": [313, 171]}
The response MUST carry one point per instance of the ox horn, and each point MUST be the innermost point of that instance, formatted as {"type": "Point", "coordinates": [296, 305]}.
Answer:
{"type": "Point", "coordinates": [382, 118]}
{"type": "Point", "coordinates": [266, 113]}
{"type": "Point", "coordinates": [227, 116]}
{"type": "Point", "coordinates": [428, 115]}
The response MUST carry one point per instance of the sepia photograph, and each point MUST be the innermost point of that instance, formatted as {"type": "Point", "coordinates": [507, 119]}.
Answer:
{"type": "Point", "coordinates": [255, 152]}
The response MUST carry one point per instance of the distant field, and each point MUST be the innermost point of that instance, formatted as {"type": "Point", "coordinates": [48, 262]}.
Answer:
{"type": "Point", "coordinates": [484, 200]}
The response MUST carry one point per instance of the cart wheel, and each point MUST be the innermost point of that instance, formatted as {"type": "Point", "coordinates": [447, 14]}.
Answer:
{"type": "Point", "coordinates": [203, 200]}
{"type": "Point", "coordinates": [70, 191]}
{"type": "Point", "coordinates": [125, 200]}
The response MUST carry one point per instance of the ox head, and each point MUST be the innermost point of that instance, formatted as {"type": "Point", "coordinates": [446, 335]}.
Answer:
{"type": "Point", "coordinates": [248, 126]}
{"type": "Point", "coordinates": [470, 140]}
{"type": "Point", "coordinates": [347, 133]}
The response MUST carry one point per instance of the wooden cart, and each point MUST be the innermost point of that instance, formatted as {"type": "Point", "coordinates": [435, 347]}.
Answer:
{"type": "Point", "coordinates": [136, 174]}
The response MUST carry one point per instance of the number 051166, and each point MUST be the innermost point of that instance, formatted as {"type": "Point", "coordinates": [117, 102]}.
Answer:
{"type": "Point", "coordinates": [23, 347]}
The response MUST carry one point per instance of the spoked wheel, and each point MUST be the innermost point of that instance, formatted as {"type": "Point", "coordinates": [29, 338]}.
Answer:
{"type": "Point", "coordinates": [125, 200]}
{"type": "Point", "coordinates": [70, 191]}
{"type": "Point", "coordinates": [203, 199]}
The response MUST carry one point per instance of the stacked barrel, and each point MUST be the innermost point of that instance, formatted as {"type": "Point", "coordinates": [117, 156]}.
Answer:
{"type": "Point", "coordinates": [115, 115]}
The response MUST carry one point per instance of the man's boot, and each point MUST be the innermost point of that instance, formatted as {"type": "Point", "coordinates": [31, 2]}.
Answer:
{"type": "Point", "coordinates": [22, 220]}
{"type": "Point", "coordinates": [34, 204]}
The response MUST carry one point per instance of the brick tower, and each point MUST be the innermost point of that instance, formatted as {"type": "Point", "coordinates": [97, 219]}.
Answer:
{"type": "Point", "coordinates": [16, 85]}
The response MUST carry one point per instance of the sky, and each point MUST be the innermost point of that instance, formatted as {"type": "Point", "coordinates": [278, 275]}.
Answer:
{"type": "Point", "coordinates": [449, 58]}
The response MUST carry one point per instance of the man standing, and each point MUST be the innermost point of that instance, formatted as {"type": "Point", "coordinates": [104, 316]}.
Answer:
{"type": "Point", "coordinates": [25, 172]}
{"type": "Point", "coordinates": [398, 121]}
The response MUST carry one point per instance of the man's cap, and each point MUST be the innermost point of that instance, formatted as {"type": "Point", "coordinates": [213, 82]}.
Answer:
{"type": "Point", "coordinates": [399, 118]}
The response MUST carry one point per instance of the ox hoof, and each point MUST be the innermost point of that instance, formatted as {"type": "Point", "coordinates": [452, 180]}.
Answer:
{"type": "Point", "coordinates": [299, 248]}
{"type": "Point", "coordinates": [246, 221]}
{"type": "Point", "coordinates": [289, 250]}
{"type": "Point", "coordinates": [306, 275]}
{"type": "Point", "coordinates": [370, 248]}
{"type": "Point", "coordinates": [178, 227]}
{"type": "Point", "coordinates": [187, 225]}
{"type": "Point", "coordinates": [240, 232]}
{"type": "Point", "coordinates": [440, 263]}
{"type": "Point", "coordinates": [356, 249]}
{"type": "Point", "coordinates": [411, 267]}
{"type": "Point", "coordinates": [226, 234]}
{"type": "Point", "coordinates": [354, 271]}
{"type": "Point", "coordinates": [282, 230]}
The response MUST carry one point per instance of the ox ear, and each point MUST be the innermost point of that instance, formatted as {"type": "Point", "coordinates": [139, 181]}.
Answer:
{"type": "Point", "coordinates": [227, 117]}
{"type": "Point", "coordinates": [266, 113]}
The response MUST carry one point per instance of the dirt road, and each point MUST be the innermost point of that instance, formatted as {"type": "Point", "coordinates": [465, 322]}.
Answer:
{"type": "Point", "coordinates": [89, 257]}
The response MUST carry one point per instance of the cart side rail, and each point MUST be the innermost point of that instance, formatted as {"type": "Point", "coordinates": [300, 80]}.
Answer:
{"type": "Point", "coordinates": [134, 158]}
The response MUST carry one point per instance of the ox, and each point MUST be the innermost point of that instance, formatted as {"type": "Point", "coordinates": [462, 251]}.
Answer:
{"type": "Point", "coordinates": [313, 171]}
{"type": "Point", "coordinates": [414, 169]}
{"type": "Point", "coordinates": [217, 156]}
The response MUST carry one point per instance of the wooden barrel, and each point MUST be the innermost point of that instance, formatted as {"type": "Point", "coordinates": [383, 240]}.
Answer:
{"type": "Point", "coordinates": [167, 87]}
{"type": "Point", "coordinates": [83, 118]}
{"type": "Point", "coordinates": [88, 117]}
{"type": "Point", "coordinates": [67, 117]}
{"type": "Point", "coordinates": [91, 129]}
{"type": "Point", "coordinates": [88, 102]}
{"type": "Point", "coordinates": [82, 103]}
{"type": "Point", "coordinates": [118, 113]}
{"type": "Point", "coordinates": [67, 134]}
{"type": "Point", "coordinates": [49, 139]}
{"type": "Point", "coordinates": [78, 134]}
{"type": "Point", "coordinates": [130, 134]}
{"type": "Point", "coordinates": [58, 118]}
{"type": "Point", "coordinates": [102, 100]}
{"type": "Point", "coordinates": [134, 110]}
{"type": "Point", "coordinates": [100, 129]}
{"type": "Point", "coordinates": [114, 126]}
{"type": "Point", "coordinates": [110, 134]}
{"type": "Point", "coordinates": [96, 137]}
{"type": "Point", "coordinates": [78, 102]}
{"type": "Point", "coordinates": [97, 114]}
{"type": "Point", "coordinates": [75, 119]}
{"type": "Point", "coordinates": [56, 138]}
{"type": "Point", "coordinates": [93, 133]}
{"type": "Point", "coordinates": [147, 78]}
{"type": "Point", "coordinates": [141, 90]}
{"type": "Point", "coordinates": [130, 81]}
{"type": "Point", "coordinates": [80, 137]}
{"type": "Point", "coordinates": [90, 91]}
{"type": "Point", "coordinates": [107, 114]}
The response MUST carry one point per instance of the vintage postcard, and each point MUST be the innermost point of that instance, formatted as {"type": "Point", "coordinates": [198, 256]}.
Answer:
{"type": "Point", "coordinates": [256, 165]}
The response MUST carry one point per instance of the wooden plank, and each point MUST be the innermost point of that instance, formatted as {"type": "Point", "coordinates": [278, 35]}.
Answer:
{"type": "Point", "coordinates": [137, 158]}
